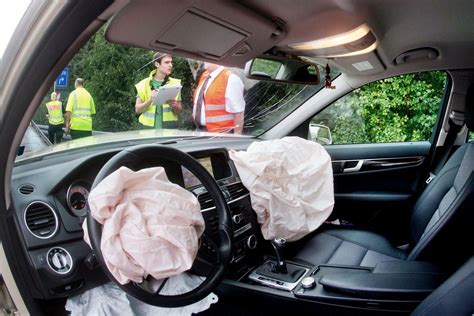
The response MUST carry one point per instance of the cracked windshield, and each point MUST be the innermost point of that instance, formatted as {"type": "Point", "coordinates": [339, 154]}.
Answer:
{"type": "Point", "coordinates": [122, 93]}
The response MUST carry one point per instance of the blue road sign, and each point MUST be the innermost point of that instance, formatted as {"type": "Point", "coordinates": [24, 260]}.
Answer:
{"type": "Point", "coordinates": [61, 80]}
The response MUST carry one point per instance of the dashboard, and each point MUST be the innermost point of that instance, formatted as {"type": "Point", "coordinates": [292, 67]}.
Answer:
{"type": "Point", "coordinates": [50, 204]}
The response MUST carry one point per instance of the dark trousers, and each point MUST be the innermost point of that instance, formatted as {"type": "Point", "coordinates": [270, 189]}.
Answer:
{"type": "Point", "coordinates": [170, 124]}
{"type": "Point", "coordinates": [55, 133]}
{"type": "Point", "coordinates": [200, 128]}
{"type": "Point", "coordinates": [80, 134]}
{"type": "Point", "coordinates": [167, 125]}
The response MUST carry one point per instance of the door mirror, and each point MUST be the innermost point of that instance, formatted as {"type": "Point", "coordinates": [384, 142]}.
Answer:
{"type": "Point", "coordinates": [320, 134]}
{"type": "Point", "coordinates": [282, 70]}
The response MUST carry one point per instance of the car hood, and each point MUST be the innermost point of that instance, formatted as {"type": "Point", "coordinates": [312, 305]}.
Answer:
{"type": "Point", "coordinates": [130, 137]}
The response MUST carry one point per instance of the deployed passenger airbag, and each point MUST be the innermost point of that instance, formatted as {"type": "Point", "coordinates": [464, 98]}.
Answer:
{"type": "Point", "coordinates": [291, 185]}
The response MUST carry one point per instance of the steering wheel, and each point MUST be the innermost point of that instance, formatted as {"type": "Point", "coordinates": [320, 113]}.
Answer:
{"type": "Point", "coordinates": [132, 157]}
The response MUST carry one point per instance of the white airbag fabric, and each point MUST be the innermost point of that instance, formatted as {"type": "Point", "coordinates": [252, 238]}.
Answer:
{"type": "Point", "coordinates": [109, 299]}
{"type": "Point", "coordinates": [291, 185]}
{"type": "Point", "coordinates": [150, 225]}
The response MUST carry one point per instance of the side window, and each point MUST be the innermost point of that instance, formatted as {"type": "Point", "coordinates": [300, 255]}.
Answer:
{"type": "Point", "coordinates": [397, 109]}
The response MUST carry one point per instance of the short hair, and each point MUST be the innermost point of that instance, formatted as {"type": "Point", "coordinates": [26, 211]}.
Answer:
{"type": "Point", "coordinates": [158, 56]}
{"type": "Point", "coordinates": [54, 95]}
{"type": "Point", "coordinates": [79, 82]}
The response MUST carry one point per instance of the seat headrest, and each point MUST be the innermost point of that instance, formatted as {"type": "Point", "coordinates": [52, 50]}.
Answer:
{"type": "Point", "coordinates": [469, 109]}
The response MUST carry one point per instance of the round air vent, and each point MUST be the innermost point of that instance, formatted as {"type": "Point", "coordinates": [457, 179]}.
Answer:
{"type": "Point", "coordinates": [41, 220]}
{"type": "Point", "coordinates": [26, 189]}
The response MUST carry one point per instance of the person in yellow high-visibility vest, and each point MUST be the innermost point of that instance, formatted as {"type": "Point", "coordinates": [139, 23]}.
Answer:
{"type": "Point", "coordinates": [158, 115]}
{"type": "Point", "coordinates": [79, 110]}
{"type": "Point", "coordinates": [55, 119]}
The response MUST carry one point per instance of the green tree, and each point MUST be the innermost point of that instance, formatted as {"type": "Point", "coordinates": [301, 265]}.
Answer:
{"type": "Point", "coordinates": [402, 108]}
{"type": "Point", "coordinates": [396, 109]}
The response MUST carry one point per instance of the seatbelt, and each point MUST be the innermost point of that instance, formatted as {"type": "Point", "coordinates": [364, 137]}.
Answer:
{"type": "Point", "coordinates": [456, 122]}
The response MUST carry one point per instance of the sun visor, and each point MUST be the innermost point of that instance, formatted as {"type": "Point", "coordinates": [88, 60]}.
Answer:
{"type": "Point", "coordinates": [216, 31]}
{"type": "Point", "coordinates": [227, 35]}
{"type": "Point", "coordinates": [291, 185]}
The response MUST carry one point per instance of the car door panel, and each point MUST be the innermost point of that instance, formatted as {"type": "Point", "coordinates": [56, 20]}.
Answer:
{"type": "Point", "coordinates": [375, 184]}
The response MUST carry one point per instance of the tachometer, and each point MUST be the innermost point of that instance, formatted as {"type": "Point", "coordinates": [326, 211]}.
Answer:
{"type": "Point", "coordinates": [77, 195]}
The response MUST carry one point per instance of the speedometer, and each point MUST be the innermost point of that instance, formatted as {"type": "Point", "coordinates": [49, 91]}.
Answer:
{"type": "Point", "coordinates": [77, 195]}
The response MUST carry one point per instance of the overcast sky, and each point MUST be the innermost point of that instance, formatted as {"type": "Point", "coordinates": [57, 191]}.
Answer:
{"type": "Point", "coordinates": [11, 12]}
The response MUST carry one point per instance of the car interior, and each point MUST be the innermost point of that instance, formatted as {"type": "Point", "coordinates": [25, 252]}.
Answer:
{"type": "Point", "coordinates": [398, 239]}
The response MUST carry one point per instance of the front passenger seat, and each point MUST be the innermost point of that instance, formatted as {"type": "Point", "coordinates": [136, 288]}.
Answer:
{"type": "Point", "coordinates": [438, 220]}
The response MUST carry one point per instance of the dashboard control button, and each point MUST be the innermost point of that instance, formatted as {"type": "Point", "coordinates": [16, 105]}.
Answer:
{"type": "Point", "coordinates": [237, 218]}
{"type": "Point", "coordinates": [76, 197]}
{"type": "Point", "coordinates": [252, 242]}
{"type": "Point", "coordinates": [91, 261]}
{"type": "Point", "coordinates": [59, 260]}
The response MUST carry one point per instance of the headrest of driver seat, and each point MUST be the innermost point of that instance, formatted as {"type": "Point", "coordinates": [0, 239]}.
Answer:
{"type": "Point", "coordinates": [469, 109]}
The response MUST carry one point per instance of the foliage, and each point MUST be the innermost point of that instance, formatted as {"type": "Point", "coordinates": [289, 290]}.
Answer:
{"type": "Point", "coordinates": [396, 109]}
{"type": "Point", "coordinates": [40, 115]}
{"type": "Point", "coordinates": [267, 67]}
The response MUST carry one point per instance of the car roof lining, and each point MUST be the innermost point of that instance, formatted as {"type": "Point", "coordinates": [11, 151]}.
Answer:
{"type": "Point", "coordinates": [236, 31]}
{"type": "Point", "coordinates": [217, 31]}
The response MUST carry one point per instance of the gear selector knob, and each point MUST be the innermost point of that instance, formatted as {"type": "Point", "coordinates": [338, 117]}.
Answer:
{"type": "Point", "coordinates": [279, 246]}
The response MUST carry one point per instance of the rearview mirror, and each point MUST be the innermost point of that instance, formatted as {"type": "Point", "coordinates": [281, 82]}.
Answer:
{"type": "Point", "coordinates": [282, 70]}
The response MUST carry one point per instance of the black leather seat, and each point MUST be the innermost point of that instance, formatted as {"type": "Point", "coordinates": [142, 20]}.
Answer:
{"type": "Point", "coordinates": [453, 297]}
{"type": "Point", "coordinates": [438, 220]}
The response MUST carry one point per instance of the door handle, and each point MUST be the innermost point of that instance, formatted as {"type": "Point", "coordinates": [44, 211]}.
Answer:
{"type": "Point", "coordinates": [357, 167]}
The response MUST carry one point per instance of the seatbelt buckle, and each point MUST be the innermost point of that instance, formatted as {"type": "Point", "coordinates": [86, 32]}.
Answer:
{"type": "Point", "coordinates": [430, 178]}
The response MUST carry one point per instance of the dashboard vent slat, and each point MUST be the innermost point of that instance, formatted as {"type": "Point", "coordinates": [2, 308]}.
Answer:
{"type": "Point", "coordinates": [236, 190]}
{"type": "Point", "coordinates": [26, 189]}
{"type": "Point", "coordinates": [205, 200]}
{"type": "Point", "coordinates": [41, 220]}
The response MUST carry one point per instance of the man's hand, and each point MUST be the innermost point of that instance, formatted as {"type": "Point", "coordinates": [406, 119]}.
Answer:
{"type": "Point", "coordinates": [175, 104]}
{"type": "Point", "coordinates": [239, 122]}
{"type": "Point", "coordinates": [154, 93]}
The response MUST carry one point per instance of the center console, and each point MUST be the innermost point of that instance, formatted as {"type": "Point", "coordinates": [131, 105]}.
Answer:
{"type": "Point", "coordinates": [247, 238]}
{"type": "Point", "coordinates": [390, 285]}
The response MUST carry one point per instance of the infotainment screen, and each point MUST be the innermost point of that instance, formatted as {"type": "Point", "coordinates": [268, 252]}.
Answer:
{"type": "Point", "coordinates": [190, 179]}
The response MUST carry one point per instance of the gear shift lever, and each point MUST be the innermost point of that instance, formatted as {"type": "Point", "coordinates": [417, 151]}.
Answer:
{"type": "Point", "coordinates": [280, 274]}
{"type": "Point", "coordinates": [279, 246]}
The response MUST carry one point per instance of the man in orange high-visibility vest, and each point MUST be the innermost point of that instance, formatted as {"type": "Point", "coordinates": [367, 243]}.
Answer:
{"type": "Point", "coordinates": [218, 101]}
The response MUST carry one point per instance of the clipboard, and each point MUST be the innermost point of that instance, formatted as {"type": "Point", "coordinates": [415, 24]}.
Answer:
{"type": "Point", "coordinates": [166, 93]}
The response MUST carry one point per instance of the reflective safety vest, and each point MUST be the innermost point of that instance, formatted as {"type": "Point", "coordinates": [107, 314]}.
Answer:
{"type": "Point", "coordinates": [217, 118]}
{"type": "Point", "coordinates": [147, 118]}
{"type": "Point", "coordinates": [55, 112]}
{"type": "Point", "coordinates": [81, 105]}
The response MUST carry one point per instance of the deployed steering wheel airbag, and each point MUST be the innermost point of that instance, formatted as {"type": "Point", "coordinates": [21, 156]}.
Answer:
{"type": "Point", "coordinates": [150, 225]}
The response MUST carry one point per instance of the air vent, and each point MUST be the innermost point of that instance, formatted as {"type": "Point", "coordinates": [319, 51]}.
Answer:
{"type": "Point", "coordinates": [205, 200]}
{"type": "Point", "coordinates": [41, 220]}
{"type": "Point", "coordinates": [26, 189]}
{"type": "Point", "coordinates": [236, 190]}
